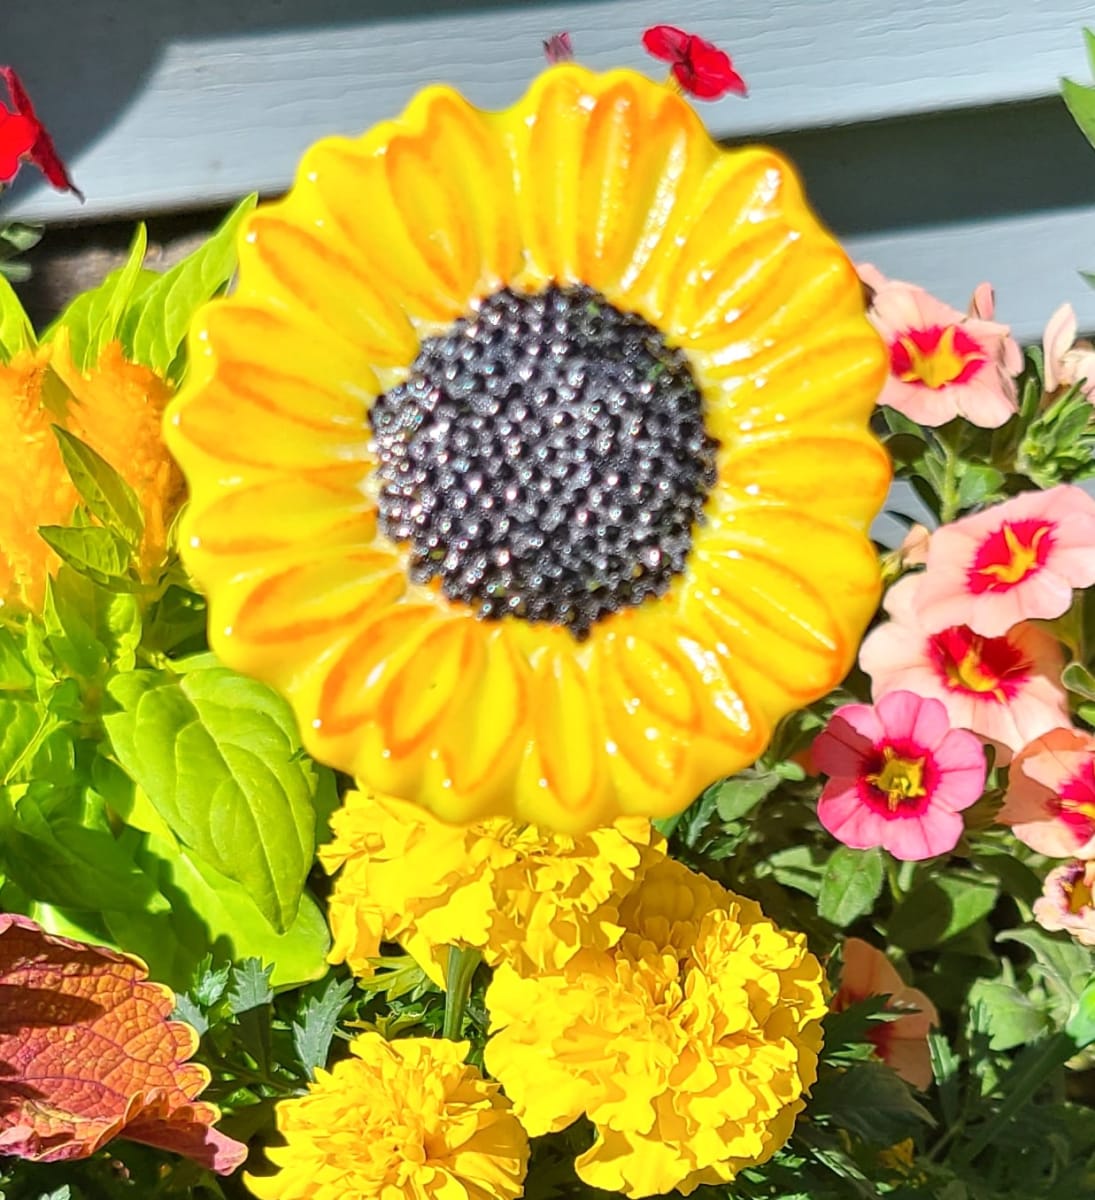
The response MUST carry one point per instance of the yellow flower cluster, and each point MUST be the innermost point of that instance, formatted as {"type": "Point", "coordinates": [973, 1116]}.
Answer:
{"type": "Point", "coordinates": [116, 407]}
{"type": "Point", "coordinates": [689, 1045]}
{"type": "Point", "coordinates": [523, 896]}
{"type": "Point", "coordinates": [398, 1119]}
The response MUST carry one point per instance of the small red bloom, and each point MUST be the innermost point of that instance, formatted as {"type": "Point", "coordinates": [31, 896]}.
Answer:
{"type": "Point", "coordinates": [558, 48]}
{"type": "Point", "coordinates": [23, 138]}
{"type": "Point", "coordinates": [701, 69]}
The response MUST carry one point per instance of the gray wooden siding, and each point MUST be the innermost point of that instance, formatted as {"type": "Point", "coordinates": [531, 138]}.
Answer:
{"type": "Point", "coordinates": [929, 131]}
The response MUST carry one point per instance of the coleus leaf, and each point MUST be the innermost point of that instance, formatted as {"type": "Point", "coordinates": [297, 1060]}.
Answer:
{"type": "Point", "coordinates": [91, 1055]}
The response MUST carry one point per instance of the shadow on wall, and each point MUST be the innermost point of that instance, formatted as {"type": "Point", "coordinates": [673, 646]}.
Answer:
{"type": "Point", "coordinates": [946, 168]}
{"type": "Point", "coordinates": [83, 64]}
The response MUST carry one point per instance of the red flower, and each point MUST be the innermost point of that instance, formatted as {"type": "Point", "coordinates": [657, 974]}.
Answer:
{"type": "Point", "coordinates": [23, 137]}
{"type": "Point", "coordinates": [701, 69]}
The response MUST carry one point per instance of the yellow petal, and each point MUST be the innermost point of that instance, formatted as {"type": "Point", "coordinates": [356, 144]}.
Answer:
{"type": "Point", "coordinates": [299, 266]}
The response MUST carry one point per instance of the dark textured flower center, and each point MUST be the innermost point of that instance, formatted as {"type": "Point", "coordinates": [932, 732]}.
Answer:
{"type": "Point", "coordinates": [545, 459]}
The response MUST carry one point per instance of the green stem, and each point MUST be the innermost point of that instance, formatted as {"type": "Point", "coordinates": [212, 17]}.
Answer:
{"type": "Point", "coordinates": [463, 961]}
{"type": "Point", "coordinates": [1020, 1088]}
{"type": "Point", "coordinates": [948, 501]}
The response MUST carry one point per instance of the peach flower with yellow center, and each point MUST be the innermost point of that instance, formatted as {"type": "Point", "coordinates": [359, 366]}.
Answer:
{"type": "Point", "coordinates": [115, 407]}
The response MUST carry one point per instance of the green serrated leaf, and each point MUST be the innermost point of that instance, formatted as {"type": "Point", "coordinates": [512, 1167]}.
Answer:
{"type": "Point", "coordinates": [16, 331]}
{"type": "Point", "coordinates": [1011, 1018]}
{"type": "Point", "coordinates": [1063, 964]}
{"type": "Point", "coordinates": [211, 982]}
{"type": "Point", "coordinates": [186, 1010]}
{"type": "Point", "coordinates": [98, 553]}
{"type": "Point", "coordinates": [250, 986]}
{"type": "Point", "coordinates": [154, 328]}
{"type": "Point", "coordinates": [106, 494]}
{"type": "Point", "coordinates": [312, 1034]}
{"type": "Point", "coordinates": [215, 754]}
{"type": "Point", "coordinates": [850, 885]}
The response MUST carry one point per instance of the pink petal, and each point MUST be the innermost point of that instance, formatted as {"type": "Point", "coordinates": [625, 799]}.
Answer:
{"type": "Point", "coordinates": [1060, 333]}
{"type": "Point", "coordinates": [907, 715]}
{"type": "Point", "coordinates": [913, 839]}
{"type": "Point", "coordinates": [847, 818]}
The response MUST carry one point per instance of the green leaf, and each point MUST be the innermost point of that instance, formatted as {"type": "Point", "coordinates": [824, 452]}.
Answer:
{"type": "Point", "coordinates": [1081, 104]}
{"type": "Point", "coordinates": [16, 331]}
{"type": "Point", "coordinates": [106, 494]}
{"type": "Point", "coordinates": [740, 794]}
{"type": "Point", "coordinates": [850, 885]}
{"type": "Point", "coordinates": [216, 754]}
{"type": "Point", "coordinates": [312, 1034]}
{"type": "Point", "coordinates": [940, 908]}
{"type": "Point", "coordinates": [211, 913]}
{"type": "Point", "coordinates": [978, 484]}
{"type": "Point", "coordinates": [1063, 964]}
{"type": "Point", "coordinates": [211, 982]}
{"type": "Point", "coordinates": [851, 1026]}
{"type": "Point", "coordinates": [249, 987]}
{"type": "Point", "coordinates": [1081, 1025]}
{"type": "Point", "coordinates": [1078, 679]}
{"type": "Point", "coordinates": [1010, 1018]}
{"type": "Point", "coordinates": [186, 1010]}
{"type": "Point", "coordinates": [100, 554]}
{"type": "Point", "coordinates": [869, 1101]}
{"type": "Point", "coordinates": [57, 859]}
{"type": "Point", "coordinates": [155, 327]}
{"type": "Point", "coordinates": [800, 867]}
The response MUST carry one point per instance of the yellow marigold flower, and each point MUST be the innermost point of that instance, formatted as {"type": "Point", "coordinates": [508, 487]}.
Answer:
{"type": "Point", "coordinates": [689, 1045]}
{"type": "Point", "coordinates": [519, 894]}
{"type": "Point", "coordinates": [398, 1119]}
{"type": "Point", "coordinates": [529, 458]}
{"type": "Point", "coordinates": [116, 407]}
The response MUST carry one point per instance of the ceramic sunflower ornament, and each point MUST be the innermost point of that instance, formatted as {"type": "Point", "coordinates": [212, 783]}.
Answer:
{"type": "Point", "coordinates": [529, 458]}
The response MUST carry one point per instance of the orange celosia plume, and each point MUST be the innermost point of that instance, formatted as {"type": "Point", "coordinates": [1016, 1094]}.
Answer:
{"type": "Point", "coordinates": [116, 408]}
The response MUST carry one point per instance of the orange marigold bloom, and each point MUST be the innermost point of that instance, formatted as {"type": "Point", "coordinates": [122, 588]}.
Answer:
{"type": "Point", "coordinates": [116, 407]}
{"type": "Point", "coordinates": [521, 895]}
{"type": "Point", "coordinates": [690, 1045]}
{"type": "Point", "coordinates": [404, 1120]}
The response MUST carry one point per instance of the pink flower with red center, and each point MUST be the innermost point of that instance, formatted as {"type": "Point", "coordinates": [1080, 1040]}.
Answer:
{"type": "Point", "coordinates": [901, 1044]}
{"type": "Point", "coordinates": [899, 776]}
{"type": "Point", "coordinates": [1068, 901]}
{"type": "Point", "coordinates": [1050, 801]}
{"type": "Point", "coordinates": [943, 363]}
{"type": "Point", "coordinates": [1067, 361]}
{"type": "Point", "coordinates": [698, 67]}
{"type": "Point", "coordinates": [1016, 561]}
{"type": "Point", "coordinates": [1005, 689]}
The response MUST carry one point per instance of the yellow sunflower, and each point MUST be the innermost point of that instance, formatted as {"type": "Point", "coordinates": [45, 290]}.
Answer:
{"type": "Point", "coordinates": [529, 458]}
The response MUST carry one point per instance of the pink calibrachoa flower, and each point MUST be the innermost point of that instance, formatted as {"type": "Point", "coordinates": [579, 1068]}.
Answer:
{"type": "Point", "coordinates": [943, 363]}
{"type": "Point", "coordinates": [1068, 901]}
{"type": "Point", "coordinates": [1016, 561]}
{"type": "Point", "coordinates": [899, 776]}
{"type": "Point", "coordinates": [1005, 689]}
{"type": "Point", "coordinates": [1067, 361]}
{"type": "Point", "coordinates": [913, 550]}
{"type": "Point", "coordinates": [901, 1044]}
{"type": "Point", "coordinates": [1050, 801]}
